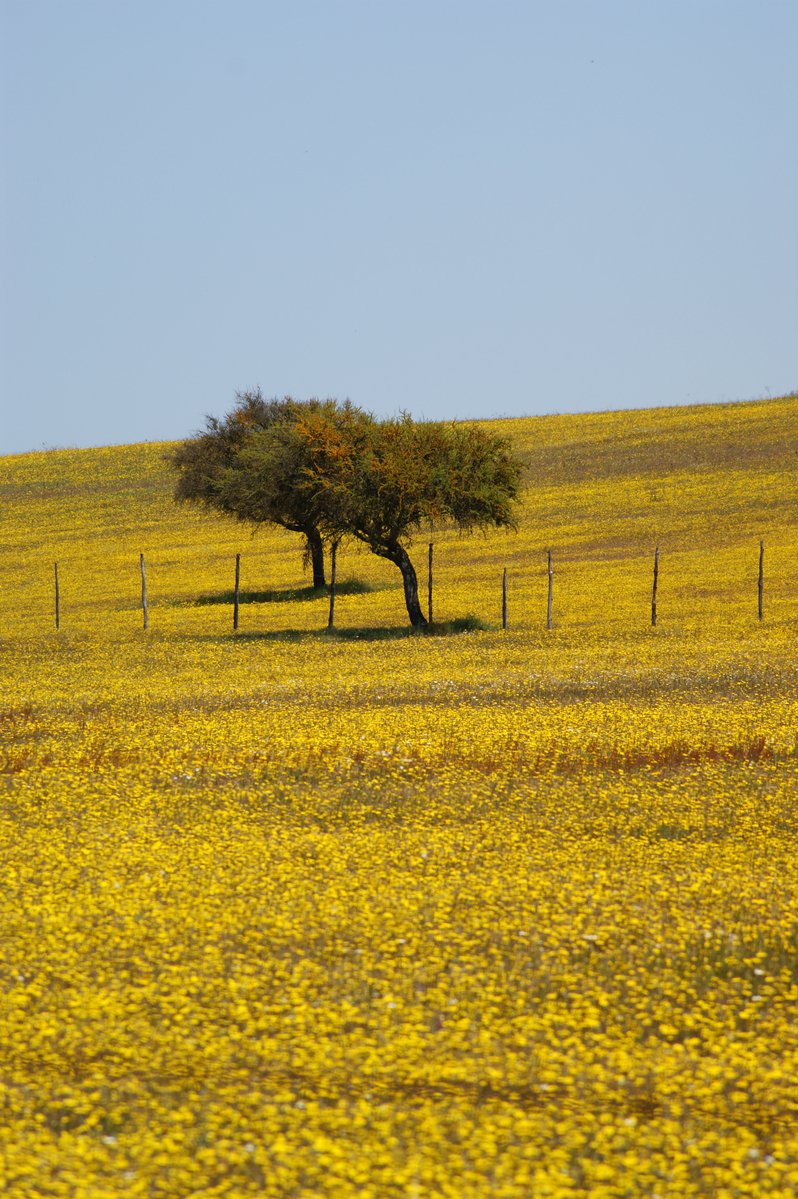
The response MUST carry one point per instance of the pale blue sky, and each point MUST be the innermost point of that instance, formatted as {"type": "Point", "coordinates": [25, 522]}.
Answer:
{"type": "Point", "coordinates": [456, 208]}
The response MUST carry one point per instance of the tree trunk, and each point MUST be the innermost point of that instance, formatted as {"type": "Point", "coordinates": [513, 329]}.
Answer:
{"type": "Point", "coordinates": [316, 556]}
{"type": "Point", "coordinates": [399, 556]}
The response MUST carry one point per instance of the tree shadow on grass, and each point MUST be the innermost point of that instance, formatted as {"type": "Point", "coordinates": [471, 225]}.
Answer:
{"type": "Point", "coordinates": [289, 595]}
{"type": "Point", "coordinates": [448, 628]}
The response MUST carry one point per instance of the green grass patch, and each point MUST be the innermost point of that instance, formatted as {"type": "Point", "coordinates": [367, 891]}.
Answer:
{"type": "Point", "coordinates": [290, 595]}
{"type": "Point", "coordinates": [444, 628]}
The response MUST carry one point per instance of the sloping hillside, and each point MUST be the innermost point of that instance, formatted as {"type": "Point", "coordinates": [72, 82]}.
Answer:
{"type": "Point", "coordinates": [501, 913]}
{"type": "Point", "coordinates": [703, 483]}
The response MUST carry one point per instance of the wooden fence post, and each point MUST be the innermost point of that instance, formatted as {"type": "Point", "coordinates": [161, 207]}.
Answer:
{"type": "Point", "coordinates": [333, 554]}
{"type": "Point", "coordinates": [144, 592]}
{"type": "Point", "coordinates": [761, 574]}
{"type": "Point", "coordinates": [551, 591]}
{"type": "Point", "coordinates": [57, 600]}
{"type": "Point", "coordinates": [236, 595]}
{"type": "Point", "coordinates": [654, 589]}
{"type": "Point", "coordinates": [504, 599]}
{"type": "Point", "coordinates": [429, 584]}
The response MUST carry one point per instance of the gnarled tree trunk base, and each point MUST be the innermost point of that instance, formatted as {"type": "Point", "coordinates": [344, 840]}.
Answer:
{"type": "Point", "coordinates": [315, 553]}
{"type": "Point", "coordinates": [400, 557]}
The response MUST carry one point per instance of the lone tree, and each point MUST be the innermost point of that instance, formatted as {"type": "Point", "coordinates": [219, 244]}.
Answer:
{"type": "Point", "coordinates": [211, 468]}
{"type": "Point", "coordinates": [381, 482]}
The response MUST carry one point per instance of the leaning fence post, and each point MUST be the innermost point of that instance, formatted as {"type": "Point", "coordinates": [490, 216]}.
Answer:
{"type": "Point", "coordinates": [236, 594]}
{"type": "Point", "coordinates": [551, 591]}
{"type": "Point", "coordinates": [761, 574]}
{"type": "Point", "coordinates": [429, 584]}
{"type": "Point", "coordinates": [331, 617]}
{"type": "Point", "coordinates": [654, 588]}
{"type": "Point", "coordinates": [504, 599]}
{"type": "Point", "coordinates": [144, 591]}
{"type": "Point", "coordinates": [57, 600]}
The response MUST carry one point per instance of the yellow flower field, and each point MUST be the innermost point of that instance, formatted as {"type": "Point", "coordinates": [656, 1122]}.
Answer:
{"type": "Point", "coordinates": [497, 913]}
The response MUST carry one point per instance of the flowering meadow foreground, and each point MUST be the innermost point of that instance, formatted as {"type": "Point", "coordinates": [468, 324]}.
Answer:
{"type": "Point", "coordinates": [496, 913]}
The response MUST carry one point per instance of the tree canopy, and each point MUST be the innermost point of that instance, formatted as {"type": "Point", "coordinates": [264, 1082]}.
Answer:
{"type": "Point", "coordinates": [329, 470]}
{"type": "Point", "coordinates": [212, 469]}
{"type": "Point", "coordinates": [381, 482]}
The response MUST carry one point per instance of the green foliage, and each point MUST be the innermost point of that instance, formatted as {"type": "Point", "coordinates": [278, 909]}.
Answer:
{"type": "Point", "coordinates": [277, 472]}
{"type": "Point", "coordinates": [330, 470]}
{"type": "Point", "coordinates": [249, 466]}
{"type": "Point", "coordinates": [382, 482]}
{"type": "Point", "coordinates": [202, 460]}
